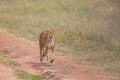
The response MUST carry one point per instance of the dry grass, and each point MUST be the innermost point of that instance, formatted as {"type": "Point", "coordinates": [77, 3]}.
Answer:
{"type": "Point", "coordinates": [90, 29]}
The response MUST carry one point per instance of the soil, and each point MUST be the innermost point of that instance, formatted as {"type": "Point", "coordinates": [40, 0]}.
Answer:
{"type": "Point", "coordinates": [63, 68]}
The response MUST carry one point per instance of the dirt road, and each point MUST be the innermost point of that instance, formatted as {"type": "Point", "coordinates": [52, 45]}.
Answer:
{"type": "Point", "coordinates": [63, 68]}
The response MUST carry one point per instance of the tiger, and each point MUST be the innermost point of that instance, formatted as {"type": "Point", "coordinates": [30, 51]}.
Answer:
{"type": "Point", "coordinates": [47, 46]}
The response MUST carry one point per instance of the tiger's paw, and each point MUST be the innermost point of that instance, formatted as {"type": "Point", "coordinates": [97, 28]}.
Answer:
{"type": "Point", "coordinates": [51, 61]}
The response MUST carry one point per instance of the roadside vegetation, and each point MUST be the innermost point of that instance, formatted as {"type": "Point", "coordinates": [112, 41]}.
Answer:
{"type": "Point", "coordinates": [5, 59]}
{"type": "Point", "coordinates": [88, 29]}
{"type": "Point", "coordinates": [27, 76]}
{"type": "Point", "coordinates": [19, 73]}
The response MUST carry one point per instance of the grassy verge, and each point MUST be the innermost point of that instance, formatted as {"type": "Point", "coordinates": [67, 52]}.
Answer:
{"type": "Point", "coordinates": [27, 76]}
{"type": "Point", "coordinates": [5, 59]}
{"type": "Point", "coordinates": [89, 29]}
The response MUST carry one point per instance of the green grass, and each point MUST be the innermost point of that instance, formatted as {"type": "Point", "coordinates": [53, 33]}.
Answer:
{"type": "Point", "coordinates": [5, 59]}
{"type": "Point", "coordinates": [87, 28]}
{"type": "Point", "coordinates": [27, 76]}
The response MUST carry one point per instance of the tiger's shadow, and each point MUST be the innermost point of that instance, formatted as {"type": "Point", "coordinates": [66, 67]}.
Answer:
{"type": "Point", "coordinates": [38, 65]}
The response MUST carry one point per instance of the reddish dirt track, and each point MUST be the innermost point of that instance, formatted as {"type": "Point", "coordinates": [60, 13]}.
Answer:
{"type": "Point", "coordinates": [63, 68]}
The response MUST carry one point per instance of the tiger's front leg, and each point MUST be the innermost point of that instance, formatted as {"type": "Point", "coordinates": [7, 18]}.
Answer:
{"type": "Point", "coordinates": [48, 56]}
{"type": "Point", "coordinates": [48, 59]}
{"type": "Point", "coordinates": [52, 55]}
{"type": "Point", "coordinates": [44, 55]}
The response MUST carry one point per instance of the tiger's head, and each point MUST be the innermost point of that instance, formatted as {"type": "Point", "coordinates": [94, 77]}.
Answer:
{"type": "Point", "coordinates": [50, 34]}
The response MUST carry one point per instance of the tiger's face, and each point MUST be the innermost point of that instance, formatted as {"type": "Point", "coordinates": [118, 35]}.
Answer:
{"type": "Point", "coordinates": [50, 34]}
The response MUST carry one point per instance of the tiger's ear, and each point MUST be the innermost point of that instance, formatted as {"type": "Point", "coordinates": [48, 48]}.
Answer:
{"type": "Point", "coordinates": [47, 30]}
{"type": "Point", "coordinates": [53, 31]}
{"type": "Point", "coordinates": [50, 31]}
